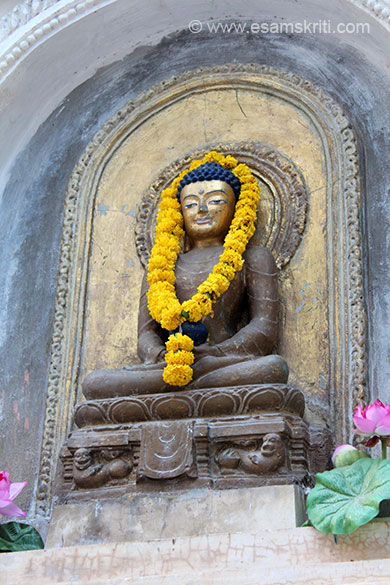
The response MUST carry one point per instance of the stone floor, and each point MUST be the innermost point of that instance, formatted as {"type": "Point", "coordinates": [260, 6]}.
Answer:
{"type": "Point", "coordinates": [294, 556]}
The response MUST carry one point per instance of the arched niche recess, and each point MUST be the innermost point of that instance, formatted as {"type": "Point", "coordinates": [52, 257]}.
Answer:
{"type": "Point", "coordinates": [304, 153]}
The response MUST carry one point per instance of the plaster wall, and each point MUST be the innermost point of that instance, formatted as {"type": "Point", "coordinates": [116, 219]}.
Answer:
{"type": "Point", "coordinates": [61, 90]}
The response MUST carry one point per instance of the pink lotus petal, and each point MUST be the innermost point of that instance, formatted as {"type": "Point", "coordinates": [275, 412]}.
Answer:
{"type": "Point", "coordinates": [375, 412]}
{"type": "Point", "coordinates": [378, 403]}
{"type": "Point", "coordinates": [4, 494]}
{"type": "Point", "coordinates": [363, 425]}
{"type": "Point", "coordinates": [342, 448]}
{"type": "Point", "coordinates": [8, 492]}
{"type": "Point", "coordinates": [15, 489]}
{"type": "Point", "coordinates": [383, 427]}
{"type": "Point", "coordinates": [12, 510]}
{"type": "Point", "coordinates": [4, 484]}
{"type": "Point", "coordinates": [359, 411]}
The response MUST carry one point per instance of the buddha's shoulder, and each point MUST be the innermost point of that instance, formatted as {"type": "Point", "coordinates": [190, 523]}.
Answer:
{"type": "Point", "coordinates": [259, 258]}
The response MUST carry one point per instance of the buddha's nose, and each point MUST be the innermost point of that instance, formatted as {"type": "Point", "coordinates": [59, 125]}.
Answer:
{"type": "Point", "coordinates": [203, 207]}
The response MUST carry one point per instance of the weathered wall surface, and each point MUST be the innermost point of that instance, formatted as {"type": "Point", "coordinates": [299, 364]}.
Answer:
{"type": "Point", "coordinates": [59, 96]}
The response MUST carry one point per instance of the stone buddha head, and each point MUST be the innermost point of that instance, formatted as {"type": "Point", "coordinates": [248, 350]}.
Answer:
{"type": "Point", "coordinates": [208, 197]}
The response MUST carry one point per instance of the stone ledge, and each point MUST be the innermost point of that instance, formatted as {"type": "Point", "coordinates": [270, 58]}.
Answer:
{"type": "Point", "coordinates": [297, 556]}
{"type": "Point", "coordinates": [177, 514]}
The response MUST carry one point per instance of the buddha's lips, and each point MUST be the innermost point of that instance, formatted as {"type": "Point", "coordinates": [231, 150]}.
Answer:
{"type": "Point", "coordinates": [203, 220]}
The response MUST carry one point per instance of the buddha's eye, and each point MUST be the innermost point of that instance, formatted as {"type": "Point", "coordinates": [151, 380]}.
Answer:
{"type": "Point", "coordinates": [190, 205]}
{"type": "Point", "coordinates": [217, 201]}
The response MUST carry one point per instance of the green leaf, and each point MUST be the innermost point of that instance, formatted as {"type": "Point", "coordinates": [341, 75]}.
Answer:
{"type": "Point", "coordinates": [348, 497]}
{"type": "Point", "coordinates": [15, 537]}
{"type": "Point", "coordinates": [306, 524]}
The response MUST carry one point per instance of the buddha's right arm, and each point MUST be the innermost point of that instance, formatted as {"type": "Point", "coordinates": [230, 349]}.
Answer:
{"type": "Point", "coordinates": [151, 347]}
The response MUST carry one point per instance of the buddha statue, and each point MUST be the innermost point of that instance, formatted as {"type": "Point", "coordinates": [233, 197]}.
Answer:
{"type": "Point", "coordinates": [233, 344]}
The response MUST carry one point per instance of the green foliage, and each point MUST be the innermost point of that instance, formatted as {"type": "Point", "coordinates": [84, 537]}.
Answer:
{"type": "Point", "coordinates": [348, 497]}
{"type": "Point", "coordinates": [16, 537]}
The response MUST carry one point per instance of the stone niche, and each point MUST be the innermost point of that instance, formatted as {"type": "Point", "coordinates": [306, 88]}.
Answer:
{"type": "Point", "coordinates": [302, 150]}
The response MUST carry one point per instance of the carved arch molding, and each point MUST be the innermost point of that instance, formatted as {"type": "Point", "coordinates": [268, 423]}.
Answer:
{"type": "Point", "coordinates": [311, 188]}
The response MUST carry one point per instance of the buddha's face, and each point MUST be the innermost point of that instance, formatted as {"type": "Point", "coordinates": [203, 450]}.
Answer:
{"type": "Point", "coordinates": [208, 209]}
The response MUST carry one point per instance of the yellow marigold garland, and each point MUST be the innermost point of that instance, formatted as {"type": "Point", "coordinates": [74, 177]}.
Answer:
{"type": "Point", "coordinates": [163, 303]}
{"type": "Point", "coordinates": [179, 358]}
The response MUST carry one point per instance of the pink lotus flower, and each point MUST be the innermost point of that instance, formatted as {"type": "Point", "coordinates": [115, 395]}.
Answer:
{"type": "Point", "coordinates": [346, 455]}
{"type": "Point", "coordinates": [342, 449]}
{"type": "Point", "coordinates": [373, 420]}
{"type": "Point", "coordinates": [8, 492]}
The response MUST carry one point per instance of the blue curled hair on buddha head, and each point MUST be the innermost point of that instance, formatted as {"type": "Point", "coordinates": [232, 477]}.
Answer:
{"type": "Point", "coordinates": [211, 171]}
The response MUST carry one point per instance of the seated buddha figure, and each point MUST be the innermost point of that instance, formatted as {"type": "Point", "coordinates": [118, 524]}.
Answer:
{"type": "Point", "coordinates": [233, 343]}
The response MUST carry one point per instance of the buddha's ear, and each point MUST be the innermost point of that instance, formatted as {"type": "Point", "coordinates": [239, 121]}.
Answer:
{"type": "Point", "coordinates": [186, 244]}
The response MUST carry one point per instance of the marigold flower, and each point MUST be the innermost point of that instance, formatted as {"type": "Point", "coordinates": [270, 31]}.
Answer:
{"type": "Point", "coordinates": [230, 162]}
{"type": "Point", "coordinates": [168, 193]}
{"type": "Point", "coordinates": [157, 275]}
{"type": "Point", "coordinates": [241, 223]}
{"type": "Point", "coordinates": [233, 258]}
{"type": "Point", "coordinates": [225, 269]}
{"type": "Point", "coordinates": [177, 375]}
{"type": "Point", "coordinates": [170, 316]}
{"type": "Point", "coordinates": [166, 225]}
{"type": "Point", "coordinates": [164, 242]}
{"type": "Point", "coordinates": [248, 214]}
{"type": "Point", "coordinates": [216, 284]}
{"type": "Point", "coordinates": [237, 244]}
{"type": "Point", "coordinates": [176, 181]}
{"type": "Point", "coordinates": [162, 261]}
{"type": "Point", "coordinates": [195, 164]}
{"type": "Point", "coordinates": [178, 341]}
{"type": "Point", "coordinates": [204, 303]}
{"type": "Point", "coordinates": [178, 232]}
{"type": "Point", "coordinates": [180, 357]}
{"type": "Point", "coordinates": [168, 203]}
{"type": "Point", "coordinates": [194, 310]}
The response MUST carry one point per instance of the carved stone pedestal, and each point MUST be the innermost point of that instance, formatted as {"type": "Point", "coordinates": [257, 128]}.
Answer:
{"type": "Point", "coordinates": [244, 436]}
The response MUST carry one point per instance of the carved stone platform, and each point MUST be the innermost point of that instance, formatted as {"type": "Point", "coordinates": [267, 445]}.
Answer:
{"type": "Point", "coordinates": [244, 436]}
{"type": "Point", "coordinates": [191, 404]}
